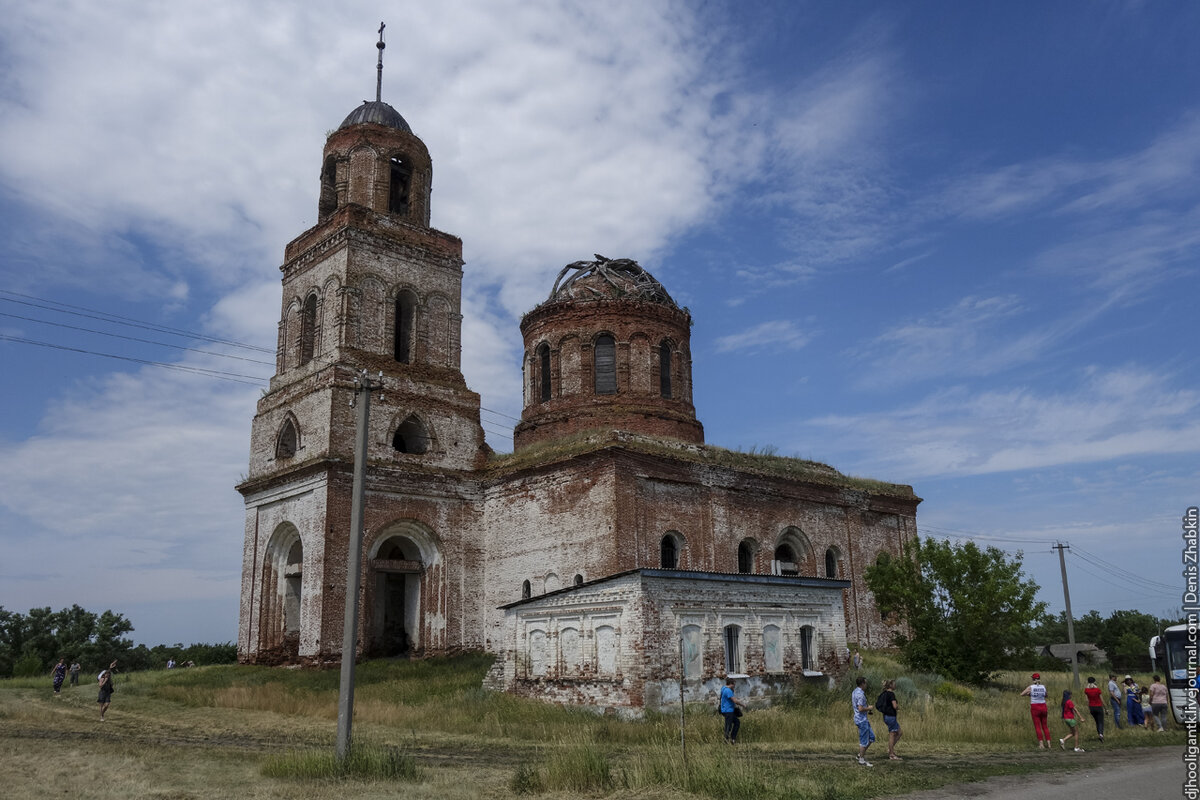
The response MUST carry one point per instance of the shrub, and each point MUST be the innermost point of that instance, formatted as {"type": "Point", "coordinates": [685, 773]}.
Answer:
{"type": "Point", "coordinates": [526, 780]}
{"type": "Point", "coordinates": [28, 666]}
{"type": "Point", "coordinates": [366, 762]}
{"type": "Point", "coordinates": [951, 691]}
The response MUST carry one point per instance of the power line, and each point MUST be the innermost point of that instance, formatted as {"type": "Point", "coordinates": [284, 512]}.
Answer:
{"type": "Point", "coordinates": [234, 377]}
{"type": "Point", "coordinates": [136, 339]}
{"type": "Point", "coordinates": [116, 319]}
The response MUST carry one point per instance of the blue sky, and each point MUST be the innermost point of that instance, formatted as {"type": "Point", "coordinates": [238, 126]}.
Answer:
{"type": "Point", "coordinates": [954, 245]}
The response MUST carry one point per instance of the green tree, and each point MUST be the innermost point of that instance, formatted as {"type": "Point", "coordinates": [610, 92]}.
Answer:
{"type": "Point", "coordinates": [963, 611]}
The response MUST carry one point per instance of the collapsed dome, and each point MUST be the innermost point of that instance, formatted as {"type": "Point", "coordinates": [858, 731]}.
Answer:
{"type": "Point", "coordinates": [608, 279]}
{"type": "Point", "coordinates": [378, 113]}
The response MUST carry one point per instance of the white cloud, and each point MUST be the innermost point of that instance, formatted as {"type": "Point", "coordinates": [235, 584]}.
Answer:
{"type": "Point", "coordinates": [772, 335]}
{"type": "Point", "coordinates": [1111, 414]}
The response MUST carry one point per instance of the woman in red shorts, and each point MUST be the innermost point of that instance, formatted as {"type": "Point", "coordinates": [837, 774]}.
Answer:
{"type": "Point", "coordinates": [1037, 709]}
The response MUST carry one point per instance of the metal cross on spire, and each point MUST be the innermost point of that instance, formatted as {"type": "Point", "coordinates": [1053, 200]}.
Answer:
{"type": "Point", "coordinates": [379, 66]}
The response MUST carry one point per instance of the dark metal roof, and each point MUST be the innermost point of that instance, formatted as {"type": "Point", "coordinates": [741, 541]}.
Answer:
{"type": "Point", "coordinates": [377, 112]}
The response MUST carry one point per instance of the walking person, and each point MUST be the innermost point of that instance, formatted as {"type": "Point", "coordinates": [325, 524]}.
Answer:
{"type": "Point", "coordinates": [105, 679]}
{"type": "Point", "coordinates": [887, 705]}
{"type": "Point", "coordinates": [1071, 717]}
{"type": "Point", "coordinates": [1133, 703]}
{"type": "Point", "coordinates": [1114, 697]}
{"type": "Point", "coordinates": [60, 674]}
{"type": "Point", "coordinates": [1037, 709]}
{"type": "Point", "coordinates": [865, 735]}
{"type": "Point", "coordinates": [1095, 705]}
{"type": "Point", "coordinates": [1158, 703]}
{"type": "Point", "coordinates": [74, 673]}
{"type": "Point", "coordinates": [731, 710]}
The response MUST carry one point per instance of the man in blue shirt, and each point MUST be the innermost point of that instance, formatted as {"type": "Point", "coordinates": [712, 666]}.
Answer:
{"type": "Point", "coordinates": [729, 710]}
{"type": "Point", "coordinates": [861, 710]}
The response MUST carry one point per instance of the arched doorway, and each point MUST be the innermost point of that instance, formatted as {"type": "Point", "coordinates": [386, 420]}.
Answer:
{"type": "Point", "coordinates": [282, 599]}
{"type": "Point", "coordinates": [398, 566]}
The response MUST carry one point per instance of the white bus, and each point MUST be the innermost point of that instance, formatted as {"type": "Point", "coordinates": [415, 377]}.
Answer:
{"type": "Point", "coordinates": [1168, 654]}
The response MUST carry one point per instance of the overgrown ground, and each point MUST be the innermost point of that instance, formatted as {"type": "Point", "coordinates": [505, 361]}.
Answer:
{"type": "Point", "coordinates": [429, 731]}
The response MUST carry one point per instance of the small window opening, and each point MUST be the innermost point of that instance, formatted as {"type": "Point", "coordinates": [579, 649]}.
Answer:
{"type": "Point", "coordinates": [406, 312]}
{"type": "Point", "coordinates": [411, 437]}
{"type": "Point", "coordinates": [544, 371]}
{"type": "Point", "coordinates": [578, 580]}
{"type": "Point", "coordinates": [401, 178]}
{"type": "Point", "coordinates": [526, 591]}
{"type": "Point", "coordinates": [745, 558]}
{"type": "Point", "coordinates": [669, 552]}
{"type": "Point", "coordinates": [606, 365]}
{"type": "Point", "coordinates": [308, 329]}
{"type": "Point", "coordinates": [785, 560]}
{"type": "Point", "coordinates": [327, 203]}
{"type": "Point", "coordinates": [288, 442]}
{"type": "Point", "coordinates": [664, 369]}
{"type": "Point", "coordinates": [831, 563]}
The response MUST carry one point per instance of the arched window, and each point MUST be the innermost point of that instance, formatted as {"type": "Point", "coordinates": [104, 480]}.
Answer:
{"type": "Point", "coordinates": [406, 317]}
{"type": "Point", "coordinates": [411, 437]}
{"type": "Point", "coordinates": [785, 560]}
{"type": "Point", "coordinates": [578, 579]}
{"type": "Point", "coordinates": [733, 650]}
{"type": "Point", "coordinates": [289, 440]}
{"type": "Point", "coordinates": [745, 558]}
{"type": "Point", "coordinates": [606, 364]}
{"type": "Point", "coordinates": [308, 329]}
{"type": "Point", "coordinates": [400, 179]}
{"type": "Point", "coordinates": [831, 563]}
{"type": "Point", "coordinates": [327, 203]}
{"type": "Point", "coordinates": [806, 648]}
{"type": "Point", "coordinates": [669, 552]}
{"type": "Point", "coordinates": [526, 591]}
{"type": "Point", "coordinates": [664, 368]}
{"type": "Point", "coordinates": [543, 354]}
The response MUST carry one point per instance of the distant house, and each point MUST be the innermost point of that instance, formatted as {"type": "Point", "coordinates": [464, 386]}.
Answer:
{"type": "Point", "coordinates": [1085, 652]}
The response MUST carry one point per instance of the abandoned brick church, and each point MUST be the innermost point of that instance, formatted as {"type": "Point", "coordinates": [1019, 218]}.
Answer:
{"type": "Point", "coordinates": [611, 551]}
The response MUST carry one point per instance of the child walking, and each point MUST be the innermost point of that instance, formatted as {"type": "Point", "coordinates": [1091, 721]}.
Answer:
{"type": "Point", "coordinates": [1070, 717]}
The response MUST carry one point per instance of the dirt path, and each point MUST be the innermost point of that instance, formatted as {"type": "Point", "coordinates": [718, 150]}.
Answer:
{"type": "Point", "coordinates": [1142, 773]}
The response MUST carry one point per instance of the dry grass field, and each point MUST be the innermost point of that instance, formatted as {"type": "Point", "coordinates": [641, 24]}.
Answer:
{"type": "Point", "coordinates": [426, 730]}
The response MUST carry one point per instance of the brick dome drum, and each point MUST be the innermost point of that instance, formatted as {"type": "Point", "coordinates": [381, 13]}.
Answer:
{"type": "Point", "coordinates": [608, 350]}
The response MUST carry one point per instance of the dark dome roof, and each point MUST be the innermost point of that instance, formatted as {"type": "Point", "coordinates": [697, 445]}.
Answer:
{"type": "Point", "coordinates": [377, 112]}
{"type": "Point", "coordinates": [608, 279]}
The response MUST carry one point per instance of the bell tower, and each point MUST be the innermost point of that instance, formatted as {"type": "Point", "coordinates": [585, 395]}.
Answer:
{"type": "Point", "coordinates": [370, 287]}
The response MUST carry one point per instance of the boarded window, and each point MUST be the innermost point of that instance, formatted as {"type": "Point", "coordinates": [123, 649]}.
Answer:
{"type": "Point", "coordinates": [664, 369]}
{"type": "Point", "coordinates": [606, 650]}
{"type": "Point", "coordinates": [538, 653]}
{"type": "Point", "coordinates": [806, 648]}
{"type": "Point", "coordinates": [406, 317]}
{"type": "Point", "coordinates": [606, 365]}
{"type": "Point", "coordinates": [733, 650]}
{"type": "Point", "coordinates": [693, 651]}
{"type": "Point", "coordinates": [772, 649]}
{"type": "Point", "coordinates": [570, 646]}
{"type": "Point", "coordinates": [308, 329]}
{"type": "Point", "coordinates": [544, 372]}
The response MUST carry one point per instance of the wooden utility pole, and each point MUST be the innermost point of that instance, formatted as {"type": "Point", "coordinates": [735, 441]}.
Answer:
{"type": "Point", "coordinates": [362, 404]}
{"type": "Point", "coordinates": [1062, 563]}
